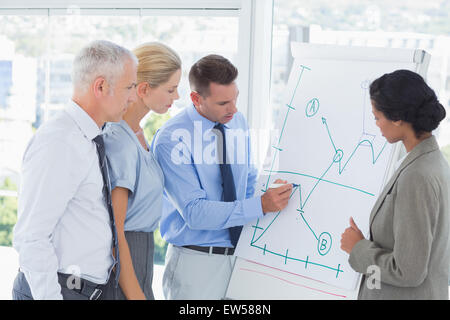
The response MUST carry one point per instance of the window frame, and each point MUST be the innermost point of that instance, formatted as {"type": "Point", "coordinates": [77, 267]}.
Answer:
{"type": "Point", "coordinates": [254, 39]}
{"type": "Point", "coordinates": [255, 19]}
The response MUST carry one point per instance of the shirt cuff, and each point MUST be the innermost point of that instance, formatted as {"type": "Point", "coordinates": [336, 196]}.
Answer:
{"type": "Point", "coordinates": [43, 285]}
{"type": "Point", "coordinates": [252, 209]}
{"type": "Point", "coordinates": [122, 183]}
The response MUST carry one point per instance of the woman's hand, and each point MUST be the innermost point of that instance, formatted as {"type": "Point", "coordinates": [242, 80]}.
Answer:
{"type": "Point", "coordinates": [350, 237]}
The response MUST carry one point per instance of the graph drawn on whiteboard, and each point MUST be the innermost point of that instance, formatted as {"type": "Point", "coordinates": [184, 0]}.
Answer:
{"type": "Point", "coordinates": [328, 164]}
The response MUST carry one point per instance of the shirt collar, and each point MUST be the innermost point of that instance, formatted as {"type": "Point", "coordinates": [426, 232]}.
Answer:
{"type": "Point", "coordinates": [206, 123]}
{"type": "Point", "coordinates": [84, 121]}
{"type": "Point", "coordinates": [130, 132]}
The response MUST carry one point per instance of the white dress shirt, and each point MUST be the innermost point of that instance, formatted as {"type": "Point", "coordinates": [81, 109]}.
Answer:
{"type": "Point", "coordinates": [63, 223]}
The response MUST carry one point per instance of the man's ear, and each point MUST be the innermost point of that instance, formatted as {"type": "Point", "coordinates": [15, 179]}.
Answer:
{"type": "Point", "coordinates": [100, 87]}
{"type": "Point", "coordinates": [195, 97]}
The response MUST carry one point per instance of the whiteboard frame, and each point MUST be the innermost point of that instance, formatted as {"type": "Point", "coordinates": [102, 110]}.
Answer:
{"type": "Point", "coordinates": [422, 59]}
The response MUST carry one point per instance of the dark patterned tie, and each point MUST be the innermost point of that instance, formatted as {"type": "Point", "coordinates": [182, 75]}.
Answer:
{"type": "Point", "coordinates": [107, 195]}
{"type": "Point", "coordinates": [229, 190]}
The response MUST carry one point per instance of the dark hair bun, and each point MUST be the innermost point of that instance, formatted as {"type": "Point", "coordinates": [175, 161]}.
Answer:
{"type": "Point", "coordinates": [429, 115]}
{"type": "Point", "coordinates": [404, 95]}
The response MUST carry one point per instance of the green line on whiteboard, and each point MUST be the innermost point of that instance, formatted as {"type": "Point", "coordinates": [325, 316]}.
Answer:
{"type": "Point", "coordinates": [324, 180]}
{"type": "Point", "coordinates": [278, 213]}
{"type": "Point", "coordinates": [374, 159]}
{"type": "Point", "coordinates": [284, 123]}
{"type": "Point", "coordinates": [277, 148]}
{"type": "Point", "coordinates": [290, 107]}
{"type": "Point", "coordinates": [324, 121]}
{"type": "Point", "coordinates": [315, 186]}
{"type": "Point", "coordinates": [324, 241]}
{"type": "Point", "coordinates": [338, 269]}
{"type": "Point", "coordinates": [301, 214]}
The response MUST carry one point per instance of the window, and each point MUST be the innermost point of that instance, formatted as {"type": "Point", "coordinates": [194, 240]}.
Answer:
{"type": "Point", "coordinates": [39, 44]}
{"type": "Point", "coordinates": [395, 24]}
{"type": "Point", "coordinates": [193, 37]}
{"type": "Point", "coordinates": [39, 41]}
{"type": "Point", "coordinates": [20, 58]}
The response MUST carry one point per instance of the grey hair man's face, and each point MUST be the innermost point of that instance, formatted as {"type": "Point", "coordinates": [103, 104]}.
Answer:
{"type": "Point", "coordinates": [122, 93]}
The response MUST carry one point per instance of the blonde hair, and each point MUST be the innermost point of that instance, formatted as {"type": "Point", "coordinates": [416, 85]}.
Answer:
{"type": "Point", "coordinates": [157, 63]}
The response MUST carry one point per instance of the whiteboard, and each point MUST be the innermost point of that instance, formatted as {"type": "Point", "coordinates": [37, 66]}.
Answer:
{"type": "Point", "coordinates": [328, 145]}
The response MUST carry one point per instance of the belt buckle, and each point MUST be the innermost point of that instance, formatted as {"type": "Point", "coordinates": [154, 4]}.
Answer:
{"type": "Point", "coordinates": [96, 294]}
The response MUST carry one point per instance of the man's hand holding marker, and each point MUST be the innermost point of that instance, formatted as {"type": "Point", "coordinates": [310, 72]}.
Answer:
{"type": "Point", "coordinates": [277, 196]}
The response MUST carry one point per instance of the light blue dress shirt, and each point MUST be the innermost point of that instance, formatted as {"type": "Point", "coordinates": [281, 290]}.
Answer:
{"type": "Point", "coordinates": [134, 168]}
{"type": "Point", "coordinates": [196, 214]}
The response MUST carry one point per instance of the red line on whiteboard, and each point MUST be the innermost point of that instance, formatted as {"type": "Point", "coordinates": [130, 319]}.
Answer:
{"type": "Point", "coordinates": [293, 283]}
{"type": "Point", "coordinates": [295, 274]}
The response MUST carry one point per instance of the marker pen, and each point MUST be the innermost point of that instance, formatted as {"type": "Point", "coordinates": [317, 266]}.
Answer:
{"type": "Point", "coordinates": [277, 185]}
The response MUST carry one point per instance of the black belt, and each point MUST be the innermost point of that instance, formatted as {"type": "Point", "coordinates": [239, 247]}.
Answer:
{"type": "Point", "coordinates": [214, 250]}
{"type": "Point", "coordinates": [86, 288]}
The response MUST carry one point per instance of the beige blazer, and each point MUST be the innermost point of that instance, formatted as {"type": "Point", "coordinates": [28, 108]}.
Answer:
{"type": "Point", "coordinates": [409, 231]}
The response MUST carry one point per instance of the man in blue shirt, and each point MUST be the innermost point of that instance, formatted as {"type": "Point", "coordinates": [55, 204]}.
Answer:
{"type": "Point", "coordinates": [210, 181]}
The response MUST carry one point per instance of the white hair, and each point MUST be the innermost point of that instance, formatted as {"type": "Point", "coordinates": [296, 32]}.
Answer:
{"type": "Point", "coordinates": [100, 58]}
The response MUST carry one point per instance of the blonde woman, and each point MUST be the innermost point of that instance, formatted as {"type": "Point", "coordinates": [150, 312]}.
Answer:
{"type": "Point", "coordinates": [136, 178]}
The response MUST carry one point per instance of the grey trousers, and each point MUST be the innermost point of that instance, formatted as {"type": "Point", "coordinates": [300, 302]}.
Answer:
{"type": "Point", "coordinates": [142, 246]}
{"type": "Point", "coordinates": [194, 275]}
{"type": "Point", "coordinates": [21, 290]}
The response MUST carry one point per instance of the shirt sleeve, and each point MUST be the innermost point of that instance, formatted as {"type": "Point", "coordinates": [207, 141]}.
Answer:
{"type": "Point", "coordinates": [45, 173]}
{"type": "Point", "coordinates": [184, 190]}
{"type": "Point", "coordinates": [415, 216]}
{"type": "Point", "coordinates": [122, 161]}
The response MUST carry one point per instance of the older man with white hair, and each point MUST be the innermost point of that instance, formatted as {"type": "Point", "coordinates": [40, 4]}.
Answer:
{"type": "Point", "coordinates": [65, 233]}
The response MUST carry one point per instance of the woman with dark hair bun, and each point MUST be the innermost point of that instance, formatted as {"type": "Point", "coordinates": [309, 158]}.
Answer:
{"type": "Point", "coordinates": [408, 253]}
{"type": "Point", "coordinates": [404, 95]}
